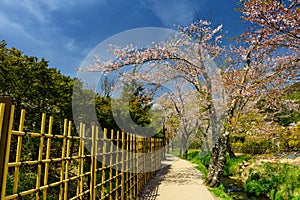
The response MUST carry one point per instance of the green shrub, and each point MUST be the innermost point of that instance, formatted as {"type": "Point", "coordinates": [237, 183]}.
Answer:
{"type": "Point", "coordinates": [276, 180]}
{"type": "Point", "coordinates": [204, 158]}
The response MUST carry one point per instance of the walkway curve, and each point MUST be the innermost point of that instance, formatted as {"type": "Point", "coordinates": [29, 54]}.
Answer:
{"type": "Point", "coordinates": [177, 180]}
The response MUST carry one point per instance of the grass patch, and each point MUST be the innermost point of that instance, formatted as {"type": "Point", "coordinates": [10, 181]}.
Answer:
{"type": "Point", "coordinates": [201, 160]}
{"type": "Point", "coordinates": [220, 192]}
{"type": "Point", "coordinates": [232, 164]}
{"type": "Point", "coordinates": [276, 180]}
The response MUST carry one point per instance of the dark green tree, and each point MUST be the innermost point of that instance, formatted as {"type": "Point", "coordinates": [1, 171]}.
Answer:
{"type": "Point", "coordinates": [34, 86]}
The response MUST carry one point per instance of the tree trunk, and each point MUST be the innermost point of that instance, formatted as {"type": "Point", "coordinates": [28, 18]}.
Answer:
{"type": "Point", "coordinates": [217, 161]}
{"type": "Point", "coordinates": [184, 156]}
{"type": "Point", "coordinates": [184, 148]}
{"type": "Point", "coordinates": [172, 145]}
{"type": "Point", "coordinates": [230, 151]}
{"type": "Point", "coordinates": [168, 146]}
{"type": "Point", "coordinates": [206, 143]}
{"type": "Point", "coordinates": [180, 148]}
{"type": "Point", "coordinates": [204, 147]}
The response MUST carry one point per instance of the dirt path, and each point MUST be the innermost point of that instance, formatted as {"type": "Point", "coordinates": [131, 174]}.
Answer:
{"type": "Point", "coordinates": [177, 180]}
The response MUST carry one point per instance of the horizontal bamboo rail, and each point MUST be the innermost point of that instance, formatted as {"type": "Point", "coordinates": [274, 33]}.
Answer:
{"type": "Point", "coordinates": [91, 164]}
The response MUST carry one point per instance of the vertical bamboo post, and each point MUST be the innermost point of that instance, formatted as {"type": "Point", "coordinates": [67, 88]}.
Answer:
{"type": "Point", "coordinates": [63, 162]}
{"type": "Point", "coordinates": [117, 165]}
{"type": "Point", "coordinates": [130, 171]}
{"type": "Point", "coordinates": [67, 161]}
{"type": "Point", "coordinates": [126, 165]}
{"type": "Point", "coordinates": [156, 149]}
{"type": "Point", "coordinates": [92, 184]}
{"type": "Point", "coordinates": [145, 160]}
{"type": "Point", "coordinates": [95, 158]}
{"type": "Point", "coordinates": [5, 111]}
{"type": "Point", "coordinates": [40, 157]}
{"type": "Point", "coordinates": [82, 140]}
{"type": "Point", "coordinates": [152, 158]}
{"type": "Point", "coordinates": [18, 153]}
{"type": "Point", "coordinates": [47, 157]}
{"type": "Point", "coordinates": [138, 163]}
{"type": "Point", "coordinates": [135, 165]}
{"type": "Point", "coordinates": [2, 109]}
{"type": "Point", "coordinates": [154, 153]}
{"type": "Point", "coordinates": [103, 162]}
{"type": "Point", "coordinates": [7, 143]}
{"type": "Point", "coordinates": [110, 164]}
{"type": "Point", "coordinates": [148, 161]}
{"type": "Point", "coordinates": [122, 168]}
{"type": "Point", "coordinates": [79, 180]}
{"type": "Point", "coordinates": [158, 152]}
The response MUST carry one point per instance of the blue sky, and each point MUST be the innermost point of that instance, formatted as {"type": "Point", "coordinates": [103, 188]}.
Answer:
{"type": "Point", "coordinates": [65, 31]}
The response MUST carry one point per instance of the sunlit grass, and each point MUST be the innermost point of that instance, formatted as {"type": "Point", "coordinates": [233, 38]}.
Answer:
{"type": "Point", "coordinates": [277, 180]}
{"type": "Point", "coordinates": [220, 192]}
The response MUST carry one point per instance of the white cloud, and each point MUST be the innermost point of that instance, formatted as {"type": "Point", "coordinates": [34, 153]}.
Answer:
{"type": "Point", "coordinates": [25, 9]}
{"type": "Point", "coordinates": [34, 8]}
{"type": "Point", "coordinates": [32, 21]}
{"type": "Point", "coordinates": [13, 29]}
{"type": "Point", "coordinates": [67, 4]}
{"type": "Point", "coordinates": [52, 4]}
{"type": "Point", "coordinates": [173, 11]}
{"type": "Point", "coordinates": [29, 25]}
{"type": "Point", "coordinates": [74, 22]}
{"type": "Point", "coordinates": [71, 46]}
{"type": "Point", "coordinates": [40, 9]}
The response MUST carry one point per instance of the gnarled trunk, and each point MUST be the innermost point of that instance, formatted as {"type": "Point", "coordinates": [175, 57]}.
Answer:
{"type": "Point", "coordinates": [217, 161]}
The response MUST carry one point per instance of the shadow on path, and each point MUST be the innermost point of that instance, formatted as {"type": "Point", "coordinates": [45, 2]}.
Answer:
{"type": "Point", "coordinates": [177, 180]}
{"type": "Point", "coordinates": [150, 191]}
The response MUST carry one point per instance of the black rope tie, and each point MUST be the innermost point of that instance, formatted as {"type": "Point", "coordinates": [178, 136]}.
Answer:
{"type": "Point", "coordinates": [25, 133]}
{"type": "Point", "coordinates": [39, 192]}
{"type": "Point", "coordinates": [19, 196]}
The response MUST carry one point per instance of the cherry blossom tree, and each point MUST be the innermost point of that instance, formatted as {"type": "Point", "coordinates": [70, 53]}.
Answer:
{"type": "Point", "coordinates": [274, 23]}
{"type": "Point", "coordinates": [183, 103]}
{"type": "Point", "coordinates": [263, 61]}
{"type": "Point", "coordinates": [187, 55]}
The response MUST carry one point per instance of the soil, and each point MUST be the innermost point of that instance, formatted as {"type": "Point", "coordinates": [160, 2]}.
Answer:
{"type": "Point", "coordinates": [292, 158]}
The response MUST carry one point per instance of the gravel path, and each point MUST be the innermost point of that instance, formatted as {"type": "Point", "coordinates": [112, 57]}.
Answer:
{"type": "Point", "coordinates": [177, 180]}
